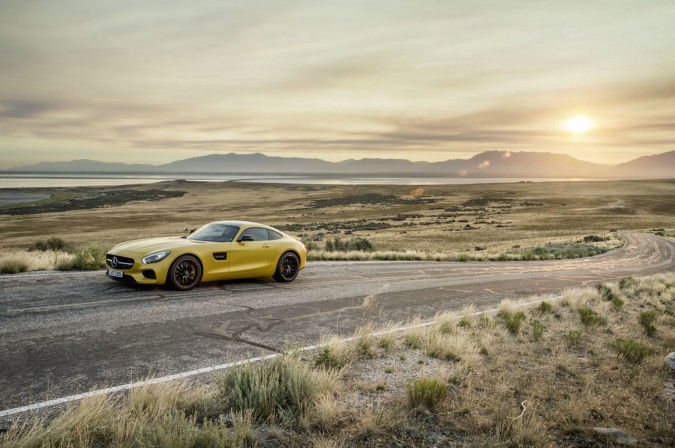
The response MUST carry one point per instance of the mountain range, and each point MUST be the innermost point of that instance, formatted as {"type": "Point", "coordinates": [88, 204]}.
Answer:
{"type": "Point", "coordinates": [486, 164]}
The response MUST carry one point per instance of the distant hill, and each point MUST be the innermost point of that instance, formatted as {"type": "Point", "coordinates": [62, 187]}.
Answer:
{"type": "Point", "coordinates": [246, 163]}
{"type": "Point", "coordinates": [520, 164]}
{"type": "Point", "coordinates": [85, 165]}
{"type": "Point", "coordinates": [486, 164]}
{"type": "Point", "coordinates": [659, 166]}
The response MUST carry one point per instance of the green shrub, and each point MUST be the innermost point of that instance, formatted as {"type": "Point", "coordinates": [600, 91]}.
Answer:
{"type": "Point", "coordinates": [589, 317]}
{"type": "Point", "coordinates": [646, 319]}
{"type": "Point", "coordinates": [513, 321]}
{"type": "Point", "coordinates": [594, 239]}
{"type": "Point", "coordinates": [425, 393]}
{"type": "Point", "coordinates": [544, 307]}
{"type": "Point", "coordinates": [560, 252]}
{"type": "Point", "coordinates": [537, 330]}
{"type": "Point", "coordinates": [464, 257]}
{"type": "Point", "coordinates": [357, 244]}
{"type": "Point", "coordinates": [574, 338]}
{"type": "Point", "coordinates": [631, 350]}
{"type": "Point", "coordinates": [617, 302]}
{"type": "Point", "coordinates": [606, 292]}
{"type": "Point", "coordinates": [608, 295]}
{"type": "Point", "coordinates": [88, 258]}
{"type": "Point", "coordinates": [281, 387]}
{"type": "Point", "coordinates": [627, 282]}
{"type": "Point", "coordinates": [311, 245]}
{"type": "Point", "coordinates": [53, 243]}
{"type": "Point", "coordinates": [464, 322]}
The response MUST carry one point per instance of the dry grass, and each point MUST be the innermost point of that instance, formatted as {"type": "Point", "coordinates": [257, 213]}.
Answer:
{"type": "Point", "coordinates": [505, 221]}
{"type": "Point", "coordinates": [537, 386]}
{"type": "Point", "coordinates": [22, 261]}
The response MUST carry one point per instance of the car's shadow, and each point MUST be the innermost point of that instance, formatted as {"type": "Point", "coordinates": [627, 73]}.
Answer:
{"type": "Point", "coordinates": [221, 284]}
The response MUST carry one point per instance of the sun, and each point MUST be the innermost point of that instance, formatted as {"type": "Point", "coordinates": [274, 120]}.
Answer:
{"type": "Point", "coordinates": [577, 125]}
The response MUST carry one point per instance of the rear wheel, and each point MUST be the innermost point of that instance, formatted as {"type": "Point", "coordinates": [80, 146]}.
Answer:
{"type": "Point", "coordinates": [185, 273]}
{"type": "Point", "coordinates": [287, 267]}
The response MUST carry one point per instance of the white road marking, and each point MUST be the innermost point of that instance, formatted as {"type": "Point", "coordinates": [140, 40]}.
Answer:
{"type": "Point", "coordinates": [190, 373]}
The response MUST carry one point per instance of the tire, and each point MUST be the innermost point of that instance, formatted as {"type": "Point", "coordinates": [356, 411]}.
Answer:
{"type": "Point", "coordinates": [288, 267]}
{"type": "Point", "coordinates": [185, 273]}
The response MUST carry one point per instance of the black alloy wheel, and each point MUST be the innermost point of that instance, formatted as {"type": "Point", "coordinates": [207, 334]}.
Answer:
{"type": "Point", "coordinates": [185, 273]}
{"type": "Point", "coordinates": [287, 267]}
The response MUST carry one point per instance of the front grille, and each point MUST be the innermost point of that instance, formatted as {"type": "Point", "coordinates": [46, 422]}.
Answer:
{"type": "Point", "coordinates": [121, 262]}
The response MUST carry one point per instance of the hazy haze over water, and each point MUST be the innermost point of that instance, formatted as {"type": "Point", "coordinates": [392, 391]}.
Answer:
{"type": "Point", "coordinates": [62, 180]}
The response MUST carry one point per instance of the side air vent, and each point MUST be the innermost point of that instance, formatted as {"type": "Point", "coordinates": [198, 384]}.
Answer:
{"type": "Point", "coordinates": [220, 256]}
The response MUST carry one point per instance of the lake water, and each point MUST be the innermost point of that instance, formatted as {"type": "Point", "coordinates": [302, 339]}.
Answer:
{"type": "Point", "coordinates": [13, 197]}
{"type": "Point", "coordinates": [94, 180]}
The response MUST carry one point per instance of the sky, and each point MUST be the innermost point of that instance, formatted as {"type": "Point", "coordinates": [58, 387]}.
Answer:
{"type": "Point", "coordinates": [157, 81]}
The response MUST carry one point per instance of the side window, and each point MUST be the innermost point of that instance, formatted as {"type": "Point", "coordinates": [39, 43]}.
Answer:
{"type": "Point", "coordinates": [256, 233]}
{"type": "Point", "coordinates": [272, 235]}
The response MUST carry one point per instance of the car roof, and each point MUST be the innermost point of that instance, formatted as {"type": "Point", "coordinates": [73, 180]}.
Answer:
{"type": "Point", "coordinates": [242, 224]}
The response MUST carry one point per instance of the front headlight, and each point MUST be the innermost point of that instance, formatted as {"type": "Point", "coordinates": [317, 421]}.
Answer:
{"type": "Point", "coordinates": [154, 258]}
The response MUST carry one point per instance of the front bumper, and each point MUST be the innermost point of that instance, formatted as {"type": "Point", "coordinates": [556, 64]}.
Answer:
{"type": "Point", "coordinates": [134, 271]}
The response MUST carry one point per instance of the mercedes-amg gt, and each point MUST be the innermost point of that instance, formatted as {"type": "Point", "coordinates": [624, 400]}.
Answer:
{"type": "Point", "coordinates": [220, 250]}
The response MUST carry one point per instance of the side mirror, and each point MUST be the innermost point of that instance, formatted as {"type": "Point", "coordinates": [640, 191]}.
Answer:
{"type": "Point", "coordinates": [244, 238]}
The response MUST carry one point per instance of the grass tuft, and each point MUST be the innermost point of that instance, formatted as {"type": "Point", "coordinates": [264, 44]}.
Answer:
{"type": "Point", "coordinates": [414, 338]}
{"type": "Point", "coordinates": [13, 265]}
{"type": "Point", "coordinates": [425, 393]}
{"type": "Point", "coordinates": [387, 342]}
{"type": "Point", "coordinates": [280, 388]}
{"type": "Point", "coordinates": [442, 347]}
{"type": "Point", "coordinates": [334, 354]}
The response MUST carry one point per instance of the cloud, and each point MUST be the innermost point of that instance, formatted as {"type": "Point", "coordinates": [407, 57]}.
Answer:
{"type": "Point", "coordinates": [344, 79]}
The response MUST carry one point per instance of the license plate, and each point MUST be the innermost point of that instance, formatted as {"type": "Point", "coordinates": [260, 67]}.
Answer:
{"type": "Point", "coordinates": [116, 274]}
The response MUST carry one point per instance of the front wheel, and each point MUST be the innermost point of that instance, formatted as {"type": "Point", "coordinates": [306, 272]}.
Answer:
{"type": "Point", "coordinates": [185, 273]}
{"type": "Point", "coordinates": [287, 267]}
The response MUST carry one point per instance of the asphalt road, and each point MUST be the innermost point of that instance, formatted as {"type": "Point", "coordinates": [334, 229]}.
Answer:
{"type": "Point", "coordinates": [65, 333]}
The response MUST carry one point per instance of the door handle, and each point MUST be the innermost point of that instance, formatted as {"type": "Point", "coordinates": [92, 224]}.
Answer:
{"type": "Point", "coordinates": [265, 245]}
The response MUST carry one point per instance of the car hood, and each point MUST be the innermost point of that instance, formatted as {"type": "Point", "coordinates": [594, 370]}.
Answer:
{"type": "Point", "coordinates": [150, 245]}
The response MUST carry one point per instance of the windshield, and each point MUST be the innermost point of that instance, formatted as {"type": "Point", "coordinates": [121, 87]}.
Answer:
{"type": "Point", "coordinates": [221, 233]}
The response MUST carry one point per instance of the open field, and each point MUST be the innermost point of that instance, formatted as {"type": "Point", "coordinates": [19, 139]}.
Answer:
{"type": "Point", "coordinates": [552, 372]}
{"type": "Point", "coordinates": [457, 221]}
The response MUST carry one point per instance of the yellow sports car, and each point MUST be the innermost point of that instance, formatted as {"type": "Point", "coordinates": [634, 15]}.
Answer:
{"type": "Point", "coordinates": [220, 250]}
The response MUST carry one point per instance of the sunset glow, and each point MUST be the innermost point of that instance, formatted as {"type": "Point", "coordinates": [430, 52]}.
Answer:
{"type": "Point", "coordinates": [120, 82]}
{"type": "Point", "coordinates": [578, 125]}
